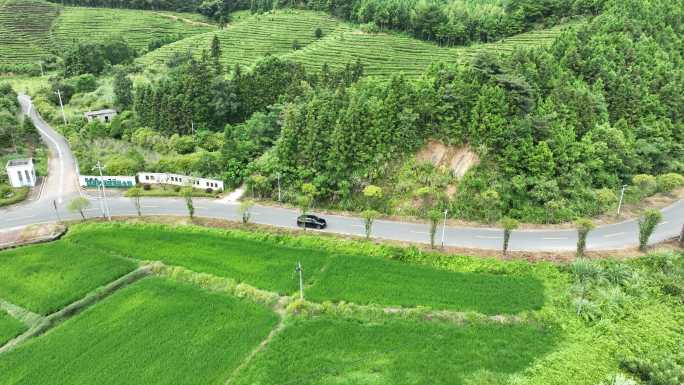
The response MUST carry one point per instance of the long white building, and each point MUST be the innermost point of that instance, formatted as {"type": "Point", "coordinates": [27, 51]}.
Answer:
{"type": "Point", "coordinates": [179, 180]}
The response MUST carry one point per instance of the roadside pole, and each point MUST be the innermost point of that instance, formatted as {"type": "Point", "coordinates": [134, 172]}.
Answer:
{"type": "Point", "coordinates": [104, 194]}
{"type": "Point", "coordinates": [278, 187]}
{"type": "Point", "coordinates": [622, 195]}
{"type": "Point", "coordinates": [59, 94]}
{"type": "Point", "coordinates": [298, 269]}
{"type": "Point", "coordinates": [54, 204]}
{"type": "Point", "coordinates": [444, 227]}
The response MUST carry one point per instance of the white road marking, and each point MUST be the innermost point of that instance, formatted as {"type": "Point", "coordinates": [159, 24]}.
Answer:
{"type": "Point", "coordinates": [420, 232]}
{"type": "Point", "coordinates": [150, 207]}
{"type": "Point", "coordinates": [555, 238]}
{"type": "Point", "coordinates": [663, 223]}
{"type": "Point", "coordinates": [21, 218]}
{"type": "Point", "coordinates": [614, 235]}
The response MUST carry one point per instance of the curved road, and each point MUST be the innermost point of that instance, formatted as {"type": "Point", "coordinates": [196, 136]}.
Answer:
{"type": "Point", "coordinates": [62, 185]}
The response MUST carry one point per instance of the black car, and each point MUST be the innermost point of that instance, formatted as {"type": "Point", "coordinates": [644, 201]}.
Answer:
{"type": "Point", "coordinates": [311, 221]}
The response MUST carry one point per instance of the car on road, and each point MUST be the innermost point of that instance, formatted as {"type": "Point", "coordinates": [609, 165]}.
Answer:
{"type": "Point", "coordinates": [311, 221]}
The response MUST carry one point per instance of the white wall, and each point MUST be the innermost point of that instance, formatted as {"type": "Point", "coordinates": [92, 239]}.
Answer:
{"type": "Point", "coordinates": [27, 178]}
{"type": "Point", "coordinates": [179, 180]}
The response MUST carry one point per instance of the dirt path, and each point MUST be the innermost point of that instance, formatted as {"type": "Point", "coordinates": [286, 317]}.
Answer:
{"type": "Point", "coordinates": [187, 21]}
{"type": "Point", "coordinates": [26, 316]}
{"type": "Point", "coordinates": [280, 309]}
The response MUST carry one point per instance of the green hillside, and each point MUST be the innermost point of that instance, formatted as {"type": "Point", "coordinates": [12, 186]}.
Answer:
{"type": "Point", "coordinates": [25, 30]}
{"type": "Point", "coordinates": [382, 54]}
{"type": "Point", "coordinates": [385, 54]}
{"type": "Point", "coordinates": [137, 27]}
{"type": "Point", "coordinates": [255, 36]}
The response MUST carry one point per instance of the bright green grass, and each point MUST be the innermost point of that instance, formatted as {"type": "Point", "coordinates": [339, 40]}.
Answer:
{"type": "Point", "coordinates": [270, 265]}
{"type": "Point", "coordinates": [154, 332]}
{"type": "Point", "coordinates": [44, 278]}
{"type": "Point", "coordinates": [326, 351]}
{"type": "Point", "coordinates": [9, 327]}
{"type": "Point", "coordinates": [266, 266]}
{"type": "Point", "coordinates": [369, 280]}
{"type": "Point", "coordinates": [137, 27]}
{"type": "Point", "coordinates": [253, 37]}
{"type": "Point", "coordinates": [25, 30]}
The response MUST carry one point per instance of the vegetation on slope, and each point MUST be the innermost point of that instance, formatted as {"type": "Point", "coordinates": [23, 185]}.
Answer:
{"type": "Point", "coordinates": [544, 122]}
{"type": "Point", "coordinates": [25, 33]}
{"type": "Point", "coordinates": [137, 28]}
{"type": "Point", "coordinates": [254, 37]}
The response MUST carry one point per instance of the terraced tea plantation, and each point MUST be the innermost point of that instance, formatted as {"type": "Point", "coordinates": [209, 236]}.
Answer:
{"type": "Point", "coordinates": [25, 30]}
{"type": "Point", "coordinates": [252, 37]}
{"type": "Point", "coordinates": [31, 29]}
{"type": "Point", "coordinates": [132, 303]}
{"type": "Point", "coordinates": [382, 54]}
{"type": "Point", "coordinates": [137, 27]}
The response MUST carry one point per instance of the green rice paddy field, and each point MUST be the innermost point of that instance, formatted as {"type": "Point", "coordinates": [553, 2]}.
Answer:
{"type": "Point", "coordinates": [9, 327]}
{"type": "Point", "coordinates": [464, 321]}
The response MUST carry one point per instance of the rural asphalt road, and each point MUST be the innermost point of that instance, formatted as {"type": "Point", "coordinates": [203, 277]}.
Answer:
{"type": "Point", "coordinates": [62, 185]}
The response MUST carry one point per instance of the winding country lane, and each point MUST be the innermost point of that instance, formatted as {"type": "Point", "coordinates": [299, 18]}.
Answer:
{"type": "Point", "coordinates": [62, 185]}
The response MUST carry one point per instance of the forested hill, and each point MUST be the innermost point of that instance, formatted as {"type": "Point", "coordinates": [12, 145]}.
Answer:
{"type": "Point", "coordinates": [557, 129]}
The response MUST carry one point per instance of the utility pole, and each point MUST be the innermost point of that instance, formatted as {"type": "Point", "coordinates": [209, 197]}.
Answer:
{"type": "Point", "coordinates": [298, 269]}
{"type": "Point", "coordinates": [59, 94]}
{"type": "Point", "coordinates": [99, 194]}
{"type": "Point", "coordinates": [278, 187]}
{"type": "Point", "coordinates": [444, 226]}
{"type": "Point", "coordinates": [104, 194]}
{"type": "Point", "coordinates": [42, 73]}
{"type": "Point", "coordinates": [192, 127]}
{"type": "Point", "coordinates": [622, 195]}
{"type": "Point", "coordinates": [54, 204]}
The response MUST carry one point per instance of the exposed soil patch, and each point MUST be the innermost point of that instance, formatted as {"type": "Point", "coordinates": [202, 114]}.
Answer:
{"type": "Point", "coordinates": [458, 159]}
{"type": "Point", "coordinates": [27, 235]}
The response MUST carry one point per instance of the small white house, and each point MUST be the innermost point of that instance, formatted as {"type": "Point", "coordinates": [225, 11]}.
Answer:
{"type": "Point", "coordinates": [105, 116]}
{"type": "Point", "coordinates": [21, 173]}
{"type": "Point", "coordinates": [179, 180]}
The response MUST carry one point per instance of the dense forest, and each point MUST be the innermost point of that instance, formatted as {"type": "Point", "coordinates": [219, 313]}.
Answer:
{"type": "Point", "coordinates": [558, 129]}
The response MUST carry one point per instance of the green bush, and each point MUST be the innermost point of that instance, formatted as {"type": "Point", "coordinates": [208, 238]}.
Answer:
{"type": "Point", "coordinates": [668, 182]}
{"type": "Point", "coordinates": [645, 184]}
